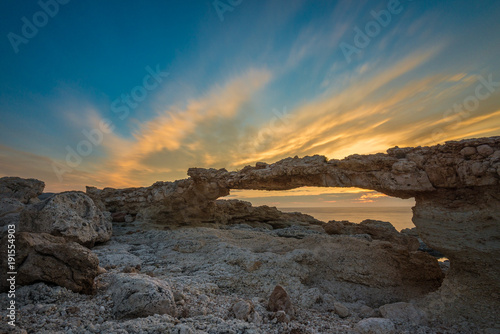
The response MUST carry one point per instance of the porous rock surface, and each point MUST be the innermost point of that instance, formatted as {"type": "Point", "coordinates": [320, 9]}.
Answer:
{"type": "Point", "coordinates": [72, 215]}
{"type": "Point", "coordinates": [44, 229]}
{"type": "Point", "coordinates": [21, 189]}
{"type": "Point", "coordinates": [138, 295]}
{"type": "Point", "coordinates": [222, 281]}
{"type": "Point", "coordinates": [41, 257]}
{"type": "Point", "coordinates": [457, 195]}
{"type": "Point", "coordinates": [182, 201]}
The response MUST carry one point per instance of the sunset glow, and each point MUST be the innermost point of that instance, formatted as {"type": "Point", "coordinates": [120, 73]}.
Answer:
{"type": "Point", "coordinates": [119, 96]}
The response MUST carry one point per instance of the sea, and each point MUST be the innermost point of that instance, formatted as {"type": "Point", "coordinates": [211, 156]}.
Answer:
{"type": "Point", "coordinates": [399, 217]}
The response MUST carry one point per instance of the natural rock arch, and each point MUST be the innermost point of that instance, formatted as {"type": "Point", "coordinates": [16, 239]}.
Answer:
{"type": "Point", "coordinates": [457, 211]}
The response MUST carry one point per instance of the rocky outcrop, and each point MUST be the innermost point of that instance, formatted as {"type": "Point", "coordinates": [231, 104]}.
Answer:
{"type": "Point", "coordinates": [49, 232]}
{"type": "Point", "coordinates": [456, 188]}
{"type": "Point", "coordinates": [42, 257]}
{"type": "Point", "coordinates": [221, 281]}
{"type": "Point", "coordinates": [179, 203]}
{"type": "Point", "coordinates": [457, 193]}
{"type": "Point", "coordinates": [166, 202]}
{"type": "Point", "coordinates": [375, 229]}
{"type": "Point", "coordinates": [464, 225]}
{"type": "Point", "coordinates": [23, 190]}
{"type": "Point", "coordinates": [72, 215]}
{"type": "Point", "coordinates": [229, 212]}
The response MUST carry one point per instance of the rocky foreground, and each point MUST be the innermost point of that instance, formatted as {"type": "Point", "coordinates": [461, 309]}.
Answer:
{"type": "Point", "coordinates": [173, 258]}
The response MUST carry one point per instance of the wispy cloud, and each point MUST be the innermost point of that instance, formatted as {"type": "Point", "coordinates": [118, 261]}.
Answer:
{"type": "Point", "coordinates": [171, 133]}
{"type": "Point", "coordinates": [328, 125]}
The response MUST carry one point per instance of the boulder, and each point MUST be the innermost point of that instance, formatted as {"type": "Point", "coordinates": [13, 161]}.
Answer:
{"type": "Point", "coordinates": [23, 190]}
{"type": "Point", "coordinates": [72, 215]}
{"type": "Point", "coordinates": [375, 326]}
{"type": "Point", "coordinates": [137, 295]}
{"type": "Point", "coordinates": [310, 297]}
{"type": "Point", "coordinates": [42, 257]}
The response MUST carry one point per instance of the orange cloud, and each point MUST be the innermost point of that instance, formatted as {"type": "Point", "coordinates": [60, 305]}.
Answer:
{"type": "Point", "coordinates": [369, 197]}
{"type": "Point", "coordinates": [172, 127]}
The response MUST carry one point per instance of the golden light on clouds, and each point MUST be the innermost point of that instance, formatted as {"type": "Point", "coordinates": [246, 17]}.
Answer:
{"type": "Point", "coordinates": [169, 130]}
{"type": "Point", "coordinates": [369, 197]}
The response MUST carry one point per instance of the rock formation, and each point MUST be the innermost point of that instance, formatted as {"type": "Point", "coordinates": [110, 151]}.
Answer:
{"type": "Point", "coordinates": [374, 229]}
{"type": "Point", "coordinates": [139, 295]}
{"type": "Point", "coordinates": [179, 202]}
{"type": "Point", "coordinates": [72, 215]}
{"type": "Point", "coordinates": [187, 202]}
{"type": "Point", "coordinates": [15, 193]}
{"type": "Point", "coordinates": [455, 185]}
{"type": "Point", "coordinates": [41, 257]}
{"type": "Point", "coordinates": [457, 193]}
{"type": "Point", "coordinates": [49, 234]}
{"type": "Point", "coordinates": [23, 190]}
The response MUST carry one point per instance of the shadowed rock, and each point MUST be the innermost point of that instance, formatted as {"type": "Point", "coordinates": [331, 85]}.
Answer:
{"type": "Point", "coordinates": [21, 189]}
{"type": "Point", "coordinates": [42, 257]}
{"type": "Point", "coordinates": [72, 215]}
{"type": "Point", "coordinates": [376, 229]}
{"type": "Point", "coordinates": [280, 301]}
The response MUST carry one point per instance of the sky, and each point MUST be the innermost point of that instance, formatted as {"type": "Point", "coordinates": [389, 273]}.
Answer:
{"type": "Point", "coordinates": [127, 93]}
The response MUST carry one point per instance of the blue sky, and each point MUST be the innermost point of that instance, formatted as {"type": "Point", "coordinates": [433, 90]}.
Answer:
{"type": "Point", "coordinates": [237, 82]}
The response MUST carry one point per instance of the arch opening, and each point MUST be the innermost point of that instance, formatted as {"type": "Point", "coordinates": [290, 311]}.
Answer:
{"type": "Point", "coordinates": [325, 204]}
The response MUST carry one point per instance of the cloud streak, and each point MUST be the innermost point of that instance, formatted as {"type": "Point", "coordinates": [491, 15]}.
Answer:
{"type": "Point", "coordinates": [171, 132]}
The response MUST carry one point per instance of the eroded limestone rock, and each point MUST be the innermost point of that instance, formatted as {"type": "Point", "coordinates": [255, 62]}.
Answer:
{"type": "Point", "coordinates": [23, 190]}
{"type": "Point", "coordinates": [72, 215]}
{"type": "Point", "coordinates": [41, 257]}
{"type": "Point", "coordinates": [376, 229]}
{"type": "Point", "coordinates": [456, 187]}
{"type": "Point", "coordinates": [137, 295]}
